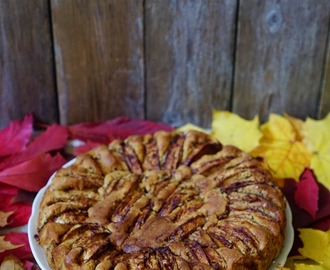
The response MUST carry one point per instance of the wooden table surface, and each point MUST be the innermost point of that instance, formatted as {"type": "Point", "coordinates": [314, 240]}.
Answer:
{"type": "Point", "coordinates": [170, 61]}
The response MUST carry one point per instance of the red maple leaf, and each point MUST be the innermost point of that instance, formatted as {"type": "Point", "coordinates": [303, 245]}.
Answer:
{"type": "Point", "coordinates": [31, 168]}
{"type": "Point", "coordinates": [307, 193]}
{"type": "Point", "coordinates": [7, 192]}
{"type": "Point", "coordinates": [118, 128]}
{"type": "Point", "coordinates": [14, 138]}
{"type": "Point", "coordinates": [301, 218]}
{"type": "Point", "coordinates": [55, 137]}
{"type": "Point", "coordinates": [22, 251]}
{"type": "Point", "coordinates": [13, 206]}
{"type": "Point", "coordinates": [21, 213]}
{"type": "Point", "coordinates": [33, 174]}
{"type": "Point", "coordinates": [30, 265]}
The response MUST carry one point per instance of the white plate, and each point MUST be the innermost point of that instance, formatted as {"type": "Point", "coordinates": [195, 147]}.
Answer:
{"type": "Point", "coordinates": [288, 242]}
{"type": "Point", "coordinates": [40, 256]}
{"type": "Point", "coordinates": [37, 251]}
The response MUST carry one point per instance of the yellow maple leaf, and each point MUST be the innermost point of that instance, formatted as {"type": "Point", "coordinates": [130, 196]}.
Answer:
{"type": "Point", "coordinates": [303, 266]}
{"type": "Point", "coordinates": [190, 126]}
{"type": "Point", "coordinates": [317, 138]}
{"type": "Point", "coordinates": [4, 217]}
{"type": "Point", "coordinates": [231, 129]}
{"type": "Point", "coordinates": [284, 155]}
{"type": "Point", "coordinates": [6, 245]}
{"type": "Point", "coordinates": [297, 125]}
{"type": "Point", "coordinates": [316, 246]}
{"type": "Point", "coordinates": [299, 262]}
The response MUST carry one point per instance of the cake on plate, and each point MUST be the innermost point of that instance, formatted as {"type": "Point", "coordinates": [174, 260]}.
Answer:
{"type": "Point", "coordinates": [163, 201]}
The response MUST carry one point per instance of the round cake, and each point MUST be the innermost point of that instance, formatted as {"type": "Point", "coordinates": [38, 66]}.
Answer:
{"type": "Point", "coordinates": [162, 201]}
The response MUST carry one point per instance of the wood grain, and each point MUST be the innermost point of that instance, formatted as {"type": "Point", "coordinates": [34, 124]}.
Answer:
{"type": "Point", "coordinates": [99, 59]}
{"type": "Point", "coordinates": [189, 59]}
{"type": "Point", "coordinates": [279, 61]}
{"type": "Point", "coordinates": [27, 81]}
{"type": "Point", "coordinates": [324, 104]}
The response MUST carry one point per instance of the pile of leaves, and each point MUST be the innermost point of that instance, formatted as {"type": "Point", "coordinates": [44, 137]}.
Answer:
{"type": "Point", "coordinates": [296, 152]}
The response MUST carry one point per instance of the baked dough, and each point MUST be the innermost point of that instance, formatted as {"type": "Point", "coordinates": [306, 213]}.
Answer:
{"type": "Point", "coordinates": [167, 201]}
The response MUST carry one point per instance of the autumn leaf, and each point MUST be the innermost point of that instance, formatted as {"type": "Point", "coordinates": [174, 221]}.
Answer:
{"type": "Point", "coordinates": [118, 128]}
{"type": "Point", "coordinates": [12, 207]}
{"type": "Point", "coordinates": [4, 217]}
{"type": "Point", "coordinates": [307, 193]}
{"type": "Point", "coordinates": [7, 245]}
{"type": "Point", "coordinates": [15, 214]}
{"type": "Point", "coordinates": [31, 168]}
{"type": "Point", "coordinates": [5, 198]}
{"type": "Point", "coordinates": [30, 265]}
{"type": "Point", "coordinates": [317, 138]}
{"type": "Point", "coordinates": [230, 129]}
{"type": "Point", "coordinates": [54, 138]}
{"type": "Point", "coordinates": [33, 174]}
{"type": "Point", "coordinates": [316, 246]}
{"type": "Point", "coordinates": [12, 263]}
{"type": "Point", "coordinates": [16, 244]}
{"type": "Point", "coordinates": [21, 212]}
{"type": "Point", "coordinates": [284, 155]}
{"type": "Point", "coordinates": [14, 138]}
{"type": "Point", "coordinates": [85, 148]}
{"type": "Point", "coordinates": [297, 125]}
{"type": "Point", "coordinates": [190, 126]}
{"type": "Point", "coordinates": [301, 219]}
{"type": "Point", "coordinates": [305, 266]}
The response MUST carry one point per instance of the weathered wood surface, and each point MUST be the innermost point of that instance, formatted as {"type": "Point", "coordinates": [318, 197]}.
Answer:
{"type": "Point", "coordinates": [280, 56]}
{"type": "Point", "coordinates": [27, 82]}
{"type": "Point", "coordinates": [189, 59]}
{"type": "Point", "coordinates": [324, 107]}
{"type": "Point", "coordinates": [163, 60]}
{"type": "Point", "coordinates": [99, 59]}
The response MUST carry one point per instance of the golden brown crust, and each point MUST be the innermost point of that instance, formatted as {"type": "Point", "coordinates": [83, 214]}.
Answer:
{"type": "Point", "coordinates": [168, 201]}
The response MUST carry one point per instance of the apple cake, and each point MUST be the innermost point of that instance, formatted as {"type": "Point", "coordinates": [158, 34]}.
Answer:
{"type": "Point", "coordinates": [163, 201]}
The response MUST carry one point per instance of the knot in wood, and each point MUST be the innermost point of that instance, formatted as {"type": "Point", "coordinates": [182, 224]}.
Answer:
{"type": "Point", "coordinates": [274, 20]}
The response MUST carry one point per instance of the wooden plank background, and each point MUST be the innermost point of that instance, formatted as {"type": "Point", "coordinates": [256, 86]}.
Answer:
{"type": "Point", "coordinates": [163, 60]}
{"type": "Point", "coordinates": [189, 59]}
{"type": "Point", "coordinates": [27, 78]}
{"type": "Point", "coordinates": [280, 51]}
{"type": "Point", "coordinates": [99, 59]}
